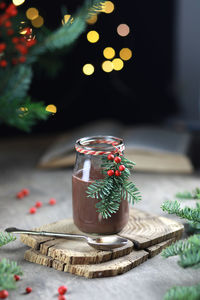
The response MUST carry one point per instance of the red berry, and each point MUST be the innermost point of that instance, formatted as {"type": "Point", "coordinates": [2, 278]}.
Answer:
{"type": "Point", "coordinates": [62, 289]}
{"type": "Point", "coordinates": [17, 278]}
{"type": "Point", "coordinates": [117, 173]}
{"type": "Point", "coordinates": [11, 10]}
{"type": "Point", "coordinates": [110, 157]}
{"type": "Point", "coordinates": [61, 297]}
{"type": "Point", "coordinates": [28, 289]}
{"type": "Point", "coordinates": [31, 43]}
{"type": "Point", "coordinates": [38, 204]}
{"type": "Point", "coordinates": [25, 192]}
{"type": "Point", "coordinates": [8, 24]}
{"type": "Point", "coordinates": [121, 168]}
{"type": "Point", "coordinates": [32, 210]}
{"type": "Point", "coordinates": [22, 59]}
{"type": "Point", "coordinates": [10, 31]}
{"type": "Point", "coordinates": [118, 159]}
{"type": "Point", "coordinates": [20, 195]}
{"type": "Point", "coordinates": [2, 47]}
{"type": "Point", "coordinates": [2, 5]}
{"type": "Point", "coordinates": [110, 172]}
{"type": "Point", "coordinates": [3, 63]}
{"type": "Point", "coordinates": [15, 40]}
{"type": "Point", "coordinates": [52, 201]}
{"type": "Point", "coordinates": [4, 294]}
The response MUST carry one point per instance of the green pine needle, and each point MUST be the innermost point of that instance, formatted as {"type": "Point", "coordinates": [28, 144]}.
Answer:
{"type": "Point", "coordinates": [7, 271]}
{"type": "Point", "coordinates": [6, 238]}
{"type": "Point", "coordinates": [183, 293]}
{"type": "Point", "coordinates": [188, 195]}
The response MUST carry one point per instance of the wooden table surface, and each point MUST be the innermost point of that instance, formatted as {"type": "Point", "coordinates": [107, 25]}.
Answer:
{"type": "Point", "coordinates": [18, 160]}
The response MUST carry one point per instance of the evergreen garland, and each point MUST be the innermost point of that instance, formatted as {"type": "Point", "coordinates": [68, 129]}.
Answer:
{"type": "Point", "coordinates": [188, 250]}
{"type": "Point", "coordinates": [111, 190]}
{"type": "Point", "coordinates": [15, 79]}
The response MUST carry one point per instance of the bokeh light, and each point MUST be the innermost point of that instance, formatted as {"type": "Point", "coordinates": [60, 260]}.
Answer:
{"type": "Point", "coordinates": [117, 64]}
{"type": "Point", "coordinates": [32, 13]}
{"type": "Point", "coordinates": [108, 7]}
{"type": "Point", "coordinates": [51, 108]}
{"type": "Point", "coordinates": [125, 53]}
{"type": "Point", "coordinates": [92, 20]}
{"type": "Point", "coordinates": [107, 66]}
{"type": "Point", "coordinates": [108, 52]}
{"type": "Point", "coordinates": [18, 2]}
{"type": "Point", "coordinates": [88, 69]}
{"type": "Point", "coordinates": [38, 22]}
{"type": "Point", "coordinates": [93, 36]}
{"type": "Point", "coordinates": [123, 30]}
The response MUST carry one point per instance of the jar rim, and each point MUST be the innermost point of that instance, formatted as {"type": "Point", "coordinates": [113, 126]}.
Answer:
{"type": "Point", "coordinates": [100, 144]}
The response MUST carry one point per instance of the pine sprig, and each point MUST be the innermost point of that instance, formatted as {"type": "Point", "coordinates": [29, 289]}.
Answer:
{"type": "Point", "coordinates": [7, 271]}
{"type": "Point", "coordinates": [183, 293]}
{"type": "Point", "coordinates": [173, 207]}
{"type": "Point", "coordinates": [113, 189]}
{"type": "Point", "coordinates": [188, 195]}
{"type": "Point", "coordinates": [6, 238]}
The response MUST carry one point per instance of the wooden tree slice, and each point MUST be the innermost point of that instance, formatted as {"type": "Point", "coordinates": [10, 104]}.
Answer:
{"type": "Point", "coordinates": [145, 229]}
{"type": "Point", "coordinates": [105, 269]}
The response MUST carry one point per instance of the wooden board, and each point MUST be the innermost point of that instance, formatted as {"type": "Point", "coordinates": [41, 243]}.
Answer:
{"type": "Point", "coordinates": [110, 268]}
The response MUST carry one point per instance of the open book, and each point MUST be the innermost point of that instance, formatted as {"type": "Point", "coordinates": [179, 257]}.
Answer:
{"type": "Point", "coordinates": [153, 149]}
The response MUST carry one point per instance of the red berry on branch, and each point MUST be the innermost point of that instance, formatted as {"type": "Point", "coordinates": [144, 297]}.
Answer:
{"type": "Point", "coordinates": [4, 294]}
{"type": "Point", "coordinates": [38, 204]}
{"type": "Point", "coordinates": [22, 59]}
{"type": "Point", "coordinates": [121, 168]}
{"type": "Point", "coordinates": [11, 10]}
{"type": "Point", "coordinates": [3, 63]}
{"type": "Point", "coordinates": [16, 277]}
{"type": "Point", "coordinates": [15, 40]}
{"type": "Point", "coordinates": [2, 5]}
{"type": "Point", "coordinates": [61, 297]}
{"type": "Point", "coordinates": [7, 24]}
{"type": "Point", "coordinates": [117, 173]}
{"type": "Point", "coordinates": [62, 289]}
{"type": "Point", "coordinates": [31, 43]}
{"type": "Point", "coordinates": [117, 159]}
{"type": "Point", "coordinates": [52, 201]}
{"type": "Point", "coordinates": [10, 31]}
{"type": "Point", "coordinates": [32, 210]}
{"type": "Point", "coordinates": [110, 157]}
{"type": "Point", "coordinates": [110, 172]}
{"type": "Point", "coordinates": [2, 47]}
{"type": "Point", "coordinates": [25, 192]}
{"type": "Point", "coordinates": [28, 290]}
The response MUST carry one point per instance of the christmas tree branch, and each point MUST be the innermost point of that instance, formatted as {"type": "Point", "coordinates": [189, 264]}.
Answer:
{"type": "Point", "coordinates": [188, 195]}
{"type": "Point", "coordinates": [183, 293]}
{"type": "Point", "coordinates": [7, 271]}
{"type": "Point", "coordinates": [6, 238]}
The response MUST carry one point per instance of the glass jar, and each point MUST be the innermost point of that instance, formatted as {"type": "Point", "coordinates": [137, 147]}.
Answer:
{"type": "Point", "coordinates": [87, 169]}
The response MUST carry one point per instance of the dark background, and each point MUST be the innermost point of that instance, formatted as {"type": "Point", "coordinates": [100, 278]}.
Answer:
{"type": "Point", "coordinates": [140, 93]}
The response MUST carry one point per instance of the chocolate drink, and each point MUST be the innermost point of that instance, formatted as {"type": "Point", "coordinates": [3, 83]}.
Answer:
{"type": "Point", "coordinates": [84, 211]}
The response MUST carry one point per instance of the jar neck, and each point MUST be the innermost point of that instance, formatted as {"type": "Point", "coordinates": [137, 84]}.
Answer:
{"type": "Point", "coordinates": [99, 145]}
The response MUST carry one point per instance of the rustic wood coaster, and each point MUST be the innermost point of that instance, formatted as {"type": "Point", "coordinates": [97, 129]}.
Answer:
{"type": "Point", "coordinates": [110, 268]}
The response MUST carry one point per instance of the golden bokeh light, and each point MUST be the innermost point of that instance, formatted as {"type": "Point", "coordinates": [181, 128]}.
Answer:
{"type": "Point", "coordinates": [88, 69]}
{"type": "Point", "coordinates": [18, 2]}
{"type": "Point", "coordinates": [92, 20]}
{"type": "Point", "coordinates": [108, 7]}
{"type": "Point", "coordinates": [118, 64]}
{"type": "Point", "coordinates": [32, 13]}
{"type": "Point", "coordinates": [38, 22]}
{"type": "Point", "coordinates": [125, 53]}
{"type": "Point", "coordinates": [123, 30]}
{"type": "Point", "coordinates": [51, 108]}
{"type": "Point", "coordinates": [66, 19]}
{"type": "Point", "coordinates": [108, 52]}
{"type": "Point", "coordinates": [107, 66]}
{"type": "Point", "coordinates": [92, 36]}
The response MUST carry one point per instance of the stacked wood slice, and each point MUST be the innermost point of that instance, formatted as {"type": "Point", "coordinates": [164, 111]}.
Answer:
{"type": "Point", "coordinates": [148, 235]}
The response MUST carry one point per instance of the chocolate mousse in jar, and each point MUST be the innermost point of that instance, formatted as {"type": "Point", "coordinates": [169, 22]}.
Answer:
{"type": "Point", "coordinates": [90, 152]}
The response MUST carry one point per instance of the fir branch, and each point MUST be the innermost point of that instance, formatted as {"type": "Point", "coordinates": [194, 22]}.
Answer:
{"type": "Point", "coordinates": [131, 193]}
{"type": "Point", "coordinates": [173, 207]}
{"type": "Point", "coordinates": [188, 195]}
{"type": "Point", "coordinates": [6, 238]}
{"type": "Point", "coordinates": [7, 271]}
{"type": "Point", "coordinates": [183, 293]}
{"type": "Point", "coordinates": [100, 188]}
